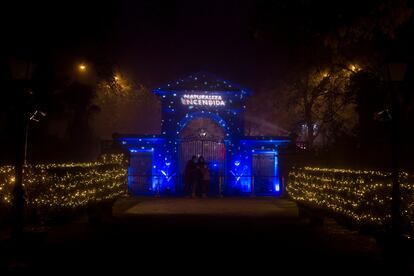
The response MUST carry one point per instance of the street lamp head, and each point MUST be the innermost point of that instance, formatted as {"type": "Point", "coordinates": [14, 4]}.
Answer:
{"type": "Point", "coordinates": [82, 67]}
{"type": "Point", "coordinates": [383, 116]}
{"type": "Point", "coordinates": [354, 67]}
{"type": "Point", "coordinates": [33, 116]}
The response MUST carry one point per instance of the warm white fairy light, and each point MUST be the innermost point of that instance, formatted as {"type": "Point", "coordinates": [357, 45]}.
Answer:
{"type": "Point", "coordinates": [68, 185]}
{"type": "Point", "coordinates": [361, 195]}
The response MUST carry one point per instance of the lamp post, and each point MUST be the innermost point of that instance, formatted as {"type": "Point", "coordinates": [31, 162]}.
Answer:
{"type": "Point", "coordinates": [32, 118]}
{"type": "Point", "coordinates": [21, 72]}
{"type": "Point", "coordinates": [395, 73]}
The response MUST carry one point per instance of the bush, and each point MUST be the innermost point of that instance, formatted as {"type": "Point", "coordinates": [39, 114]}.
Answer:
{"type": "Point", "coordinates": [64, 190]}
{"type": "Point", "coordinates": [361, 197]}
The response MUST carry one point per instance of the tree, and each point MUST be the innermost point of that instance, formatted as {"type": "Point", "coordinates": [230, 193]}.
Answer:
{"type": "Point", "coordinates": [369, 36]}
{"type": "Point", "coordinates": [328, 39]}
{"type": "Point", "coordinates": [321, 103]}
{"type": "Point", "coordinates": [380, 34]}
{"type": "Point", "coordinates": [123, 107]}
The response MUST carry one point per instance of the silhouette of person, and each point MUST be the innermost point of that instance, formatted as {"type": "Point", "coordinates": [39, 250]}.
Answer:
{"type": "Point", "coordinates": [204, 176]}
{"type": "Point", "coordinates": [190, 177]}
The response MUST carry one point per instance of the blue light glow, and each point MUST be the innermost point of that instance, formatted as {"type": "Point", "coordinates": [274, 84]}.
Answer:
{"type": "Point", "coordinates": [277, 187]}
{"type": "Point", "coordinates": [165, 148]}
{"type": "Point", "coordinates": [276, 182]}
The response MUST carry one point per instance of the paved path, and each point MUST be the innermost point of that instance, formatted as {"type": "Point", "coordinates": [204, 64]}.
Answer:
{"type": "Point", "coordinates": [245, 207]}
{"type": "Point", "coordinates": [227, 235]}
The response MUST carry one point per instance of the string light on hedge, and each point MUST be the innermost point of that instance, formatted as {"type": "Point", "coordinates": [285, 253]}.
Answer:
{"type": "Point", "coordinates": [361, 195]}
{"type": "Point", "coordinates": [69, 185]}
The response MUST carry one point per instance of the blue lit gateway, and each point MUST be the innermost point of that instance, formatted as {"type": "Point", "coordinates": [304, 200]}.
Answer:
{"type": "Point", "coordinates": [203, 115]}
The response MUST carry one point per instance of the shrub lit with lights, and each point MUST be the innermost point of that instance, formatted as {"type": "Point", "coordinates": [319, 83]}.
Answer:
{"type": "Point", "coordinates": [363, 197]}
{"type": "Point", "coordinates": [67, 186]}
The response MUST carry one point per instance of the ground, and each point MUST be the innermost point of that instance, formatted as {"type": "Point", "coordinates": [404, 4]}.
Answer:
{"type": "Point", "coordinates": [192, 236]}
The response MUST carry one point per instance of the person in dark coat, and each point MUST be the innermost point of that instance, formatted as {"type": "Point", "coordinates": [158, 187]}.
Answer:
{"type": "Point", "coordinates": [204, 176]}
{"type": "Point", "coordinates": [190, 177]}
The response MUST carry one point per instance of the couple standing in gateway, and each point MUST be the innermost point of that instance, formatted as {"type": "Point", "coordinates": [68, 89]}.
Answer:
{"type": "Point", "coordinates": [196, 177]}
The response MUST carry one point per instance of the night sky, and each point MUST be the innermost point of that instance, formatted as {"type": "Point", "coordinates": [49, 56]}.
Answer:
{"type": "Point", "coordinates": [156, 41]}
{"type": "Point", "coordinates": [260, 45]}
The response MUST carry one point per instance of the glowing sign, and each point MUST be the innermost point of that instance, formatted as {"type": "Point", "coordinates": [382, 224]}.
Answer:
{"type": "Point", "coordinates": [206, 100]}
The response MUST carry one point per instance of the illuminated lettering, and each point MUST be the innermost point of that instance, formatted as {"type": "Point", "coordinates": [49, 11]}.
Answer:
{"type": "Point", "coordinates": [204, 100]}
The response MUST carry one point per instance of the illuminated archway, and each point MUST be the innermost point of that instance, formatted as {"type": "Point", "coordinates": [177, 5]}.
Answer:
{"type": "Point", "coordinates": [189, 117]}
{"type": "Point", "coordinates": [199, 97]}
{"type": "Point", "coordinates": [202, 136]}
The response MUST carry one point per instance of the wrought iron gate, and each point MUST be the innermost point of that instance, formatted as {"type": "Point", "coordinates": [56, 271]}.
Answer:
{"type": "Point", "coordinates": [213, 150]}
